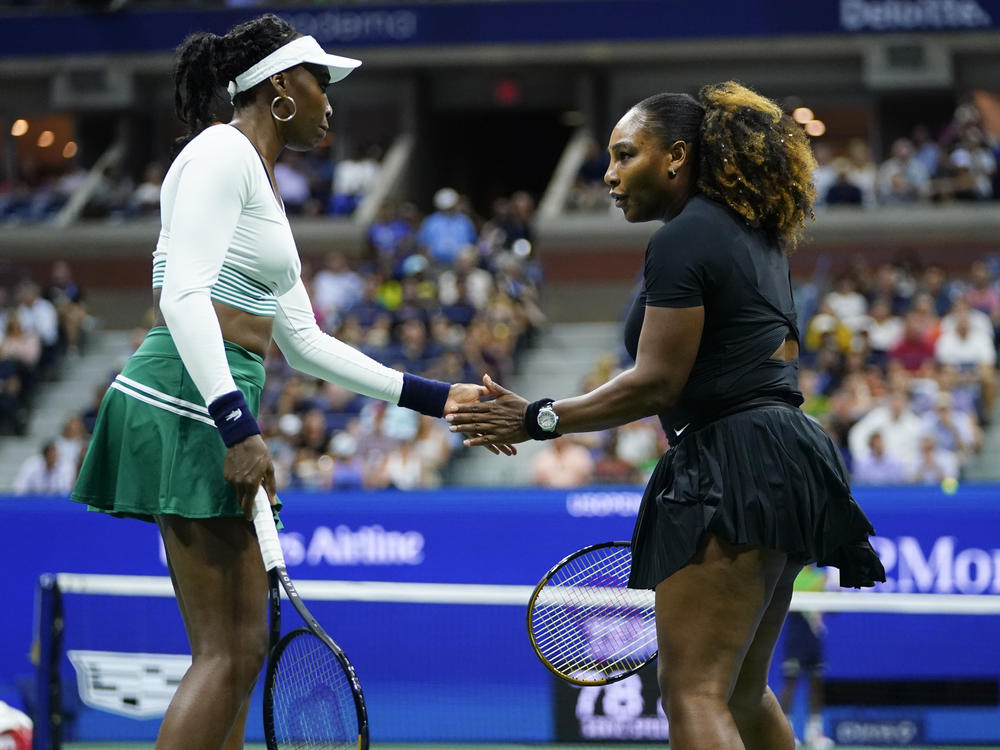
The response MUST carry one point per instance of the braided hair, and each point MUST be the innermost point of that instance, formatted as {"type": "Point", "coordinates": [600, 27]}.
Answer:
{"type": "Point", "coordinates": [206, 63]}
{"type": "Point", "coordinates": [751, 156]}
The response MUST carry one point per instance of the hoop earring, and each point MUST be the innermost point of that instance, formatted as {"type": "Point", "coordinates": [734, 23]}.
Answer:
{"type": "Point", "coordinates": [671, 173]}
{"type": "Point", "coordinates": [274, 114]}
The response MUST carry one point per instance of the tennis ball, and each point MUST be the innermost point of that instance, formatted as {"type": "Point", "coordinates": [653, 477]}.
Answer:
{"type": "Point", "coordinates": [949, 485]}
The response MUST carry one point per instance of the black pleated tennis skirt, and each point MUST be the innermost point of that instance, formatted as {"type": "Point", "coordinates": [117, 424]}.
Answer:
{"type": "Point", "coordinates": [769, 476]}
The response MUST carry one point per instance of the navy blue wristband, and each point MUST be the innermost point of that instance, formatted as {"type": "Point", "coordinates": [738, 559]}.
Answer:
{"type": "Point", "coordinates": [423, 395]}
{"type": "Point", "coordinates": [233, 418]}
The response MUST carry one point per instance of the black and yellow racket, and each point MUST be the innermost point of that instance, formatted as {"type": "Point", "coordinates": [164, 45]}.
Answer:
{"type": "Point", "coordinates": [312, 696]}
{"type": "Point", "coordinates": [585, 625]}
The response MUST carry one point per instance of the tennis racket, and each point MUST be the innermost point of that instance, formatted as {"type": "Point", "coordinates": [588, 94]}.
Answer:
{"type": "Point", "coordinates": [585, 625]}
{"type": "Point", "coordinates": [312, 696]}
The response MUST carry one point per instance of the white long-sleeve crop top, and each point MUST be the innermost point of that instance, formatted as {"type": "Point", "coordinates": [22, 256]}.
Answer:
{"type": "Point", "coordinates": [224, 236]}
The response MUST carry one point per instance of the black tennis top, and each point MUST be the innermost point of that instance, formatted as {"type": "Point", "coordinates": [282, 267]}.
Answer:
{"type": "Point", "coordinates": [708, 256]}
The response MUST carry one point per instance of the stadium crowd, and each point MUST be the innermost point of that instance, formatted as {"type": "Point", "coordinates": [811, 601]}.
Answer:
{"type": "Point", "coordinates": [448, 296]}
{"type": "Point", "coordinates": [958, 162]}
{"type": "Point", "coordinates": [898, 361]}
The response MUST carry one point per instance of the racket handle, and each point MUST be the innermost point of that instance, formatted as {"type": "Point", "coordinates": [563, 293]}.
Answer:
{"type": "Point", "coordinates": [267, 533]}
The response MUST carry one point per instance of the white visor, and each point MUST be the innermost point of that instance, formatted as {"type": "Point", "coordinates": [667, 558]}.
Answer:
{"type": "Point", "coordinates": [304, 49]}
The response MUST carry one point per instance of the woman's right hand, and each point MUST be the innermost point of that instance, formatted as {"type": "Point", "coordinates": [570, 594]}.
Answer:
{"type": "Point", "coordinates": [248, 466]}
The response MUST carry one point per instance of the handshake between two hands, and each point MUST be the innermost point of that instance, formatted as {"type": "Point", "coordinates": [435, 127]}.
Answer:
{"type": "Point", "coordinates": [488, 415]}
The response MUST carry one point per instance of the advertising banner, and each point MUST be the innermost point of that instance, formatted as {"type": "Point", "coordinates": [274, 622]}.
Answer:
{"type": "Point", "coordinates": [420, 658]}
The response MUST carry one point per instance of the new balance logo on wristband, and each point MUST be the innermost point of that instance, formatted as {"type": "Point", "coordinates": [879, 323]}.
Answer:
{"type": "Point", "coordinates": [234, 415]}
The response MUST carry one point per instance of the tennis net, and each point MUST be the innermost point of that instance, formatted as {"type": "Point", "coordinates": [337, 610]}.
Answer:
{"type": "Point", "coordinates": [451, 663]}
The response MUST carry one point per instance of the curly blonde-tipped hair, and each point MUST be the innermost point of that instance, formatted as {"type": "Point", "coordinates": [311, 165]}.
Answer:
{"type": "Point", "coordinates": [751, 155]}
{"type": "Point", "coordinates": [757, 160]}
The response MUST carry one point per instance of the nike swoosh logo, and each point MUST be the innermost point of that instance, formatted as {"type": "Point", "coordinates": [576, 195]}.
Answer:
{"type": "Point", "coordinates": [678, 432]}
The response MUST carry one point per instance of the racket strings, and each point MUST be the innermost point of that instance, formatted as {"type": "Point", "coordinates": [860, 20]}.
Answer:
{"type": "Point", "coordinates": [587, 625]}
{"type": "Point", "coordinates": [313, 704]}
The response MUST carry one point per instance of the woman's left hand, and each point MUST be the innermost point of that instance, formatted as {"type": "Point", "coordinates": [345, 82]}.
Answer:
{"type": "Point", "coordinates": [499, 421]}
{"type": "Point", "coordinates": [463, 395]}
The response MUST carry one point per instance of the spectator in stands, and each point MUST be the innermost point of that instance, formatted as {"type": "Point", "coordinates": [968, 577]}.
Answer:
{"type": "Point", "coordinates": [953, 429]}
{"type": "Point", "coordinates": [291, 175]}
{"type": "Point", "coordinates": [879, 466]}
{"type": "Point", "coordinates": [44, 474]}
{"type": "Point", "coordinates": [589, 193]}
{"type": "Point", "coordinates": [982, 293]}
{"type": "Point", "coordinates": [926, 150]}
{"type": "Point", "coordinates": [971, 350]}
{"type": "Point", "coordinates": [916, 346]}
{"type": "Point", "coordinates": [67, 298]}
{"type": "Point", "coordinates": [842, 190]}
{"type": "Point", "coordinates": [935, 464]}
{"type": "Point", "coordinates": [898, 427]}
{"type": "Point", "coordinates": [846, 302]}
{"type": "Point", "coordinates": [354, 178]}
{"type": "Point", "coordinates": [562, 463]}
{"type": "Point", "coordinates": [863, 171]}
{"type": "Point", "coordinates": [392, 236]}
{"type": "Point", "coordinates": [935, 283]}
{"type": "Point", "coordinates": [336, 288]}
{"type": "Point", "coordinates": [972, 166]}
{"type": "Point", "coordinates": [39, 316]}
{"type": "Point", "coordinates": [446, 231]}
{"type": "Point", "coordinates": [825, 173]}
{"type": "Point", "coordinates": [71, 443]}
{"type": "Point", "coordinates": [21, 345]}
{"type": "Point", "coordinates": [348, 470]}
{"type": "Point", "coordinates": [145, 200]}
{"type": "Point", "coordinates": [902, 178]}
{"type": "Point", "coordinates": [885, 330]}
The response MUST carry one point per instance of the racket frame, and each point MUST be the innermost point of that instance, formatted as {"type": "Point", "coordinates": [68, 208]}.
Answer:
{"type": "Point", "coordinates": [267, 535]}
{"type": "Point", "coordinates": [531, 609]}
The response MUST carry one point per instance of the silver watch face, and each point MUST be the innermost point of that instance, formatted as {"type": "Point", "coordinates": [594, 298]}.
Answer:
{"type": "Point", "coordinates": [547, 418]}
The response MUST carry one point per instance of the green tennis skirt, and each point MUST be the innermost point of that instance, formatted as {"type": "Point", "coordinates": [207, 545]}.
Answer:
{"type": "Point", "coordinates": [155, 449]}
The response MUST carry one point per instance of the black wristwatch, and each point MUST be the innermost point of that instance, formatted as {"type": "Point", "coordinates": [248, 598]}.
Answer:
{"type": "Point", "coordinates": [547, 418]}
{"type": "Point", "coordinates": [541, 420]}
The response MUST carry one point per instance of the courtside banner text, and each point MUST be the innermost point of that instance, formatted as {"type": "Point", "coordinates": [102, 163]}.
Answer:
{"type": "Point", "coordinates": [419, 660]}
{"type": "Point", "coordinates": [478, 23]}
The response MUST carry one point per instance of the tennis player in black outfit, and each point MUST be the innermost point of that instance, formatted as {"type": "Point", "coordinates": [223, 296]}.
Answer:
{"type": "Point", "coordinates": [751, 488]}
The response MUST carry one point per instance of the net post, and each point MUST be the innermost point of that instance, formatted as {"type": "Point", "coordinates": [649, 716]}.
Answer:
{"type": "Point", "coordinates": [47, 732]}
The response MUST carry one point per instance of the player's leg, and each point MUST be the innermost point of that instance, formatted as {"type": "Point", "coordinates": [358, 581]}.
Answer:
{"type": "Point", "coordinates": [222, 589]}
{"type": "Point", "coordinates": [758, 713]}
{"type": "Point", "coordinates": [235, 740]}
{"type": "Point", "coordinates": [706, 617]}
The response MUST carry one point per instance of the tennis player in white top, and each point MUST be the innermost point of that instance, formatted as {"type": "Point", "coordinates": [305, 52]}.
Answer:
{"type": "Point", "coordinates": [226, 278]}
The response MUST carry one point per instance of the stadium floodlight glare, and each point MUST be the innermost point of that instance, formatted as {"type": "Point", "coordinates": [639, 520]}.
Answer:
{"type": "Point", "coordinates": [815, 128]}
{"type": "Point", "coordinates": [46, 138]}
{"type": "Point", "coordinates": [69, 150]}
{"type": "Point", "coordinates": [802, 115]}
{"type": "Point", "coordinates": [19, 128]}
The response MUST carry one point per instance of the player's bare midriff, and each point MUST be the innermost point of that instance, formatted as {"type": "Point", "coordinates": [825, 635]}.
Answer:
{"type": "Point", "coordinates": [252, 332]}
{"type": "Point", "coordinates": [787, 352]}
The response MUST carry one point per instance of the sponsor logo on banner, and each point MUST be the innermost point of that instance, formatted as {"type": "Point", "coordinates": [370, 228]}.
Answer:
{"type": "Point", "coordinates": [629, 709]}
{"type": "Point", "coordinates": [891, 732]}
{"type": "Point", "coordinates": [344, 546]}
{"type": "Point", "coordinates": [356, 26]}
{"type": "Point", "coordinates": [601, 504]}
{"type": "Point", "coordinates": [139, 686]}
{"type": "Point", "coordinates": [943, 567]}
{"type": "Point", "coordinates": [904, 15]}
